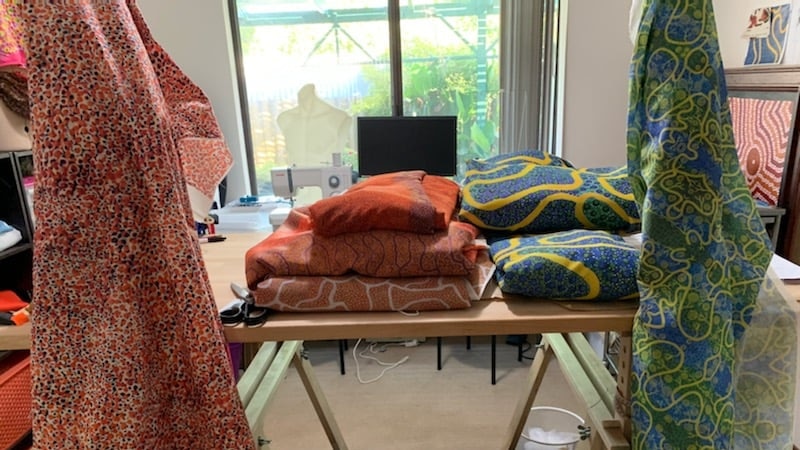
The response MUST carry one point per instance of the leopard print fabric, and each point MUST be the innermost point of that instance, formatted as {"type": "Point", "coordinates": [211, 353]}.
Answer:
{"type": "Point", "coordinates": [128, 351]}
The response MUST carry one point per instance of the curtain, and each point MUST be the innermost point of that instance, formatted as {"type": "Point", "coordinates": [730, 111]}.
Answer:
{"type": "Point", "coordinates": [527, 73]}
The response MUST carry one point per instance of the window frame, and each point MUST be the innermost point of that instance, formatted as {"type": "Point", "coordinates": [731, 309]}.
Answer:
{"type": "Point", "coordinates": [530, 51]}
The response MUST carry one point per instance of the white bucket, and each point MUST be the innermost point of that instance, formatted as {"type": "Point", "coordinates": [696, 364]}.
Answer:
{"type": "Point", "coordinates": [551, 428]}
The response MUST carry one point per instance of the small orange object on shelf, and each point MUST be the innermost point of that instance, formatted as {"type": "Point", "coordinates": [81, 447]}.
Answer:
{"type": "Point", "coordinates": [21, 316]}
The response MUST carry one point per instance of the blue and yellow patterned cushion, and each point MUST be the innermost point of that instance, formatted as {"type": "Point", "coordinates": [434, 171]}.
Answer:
{"type": "Point", "coordinates": [531, 198]}
{"type": "Point", "coordinates": [537, 157]}
{"type": "Point", "coordinates": [566, 265]}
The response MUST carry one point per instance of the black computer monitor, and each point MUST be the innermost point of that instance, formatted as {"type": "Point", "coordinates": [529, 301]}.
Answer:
{"type": "Point", "coordinates": [392, 144]}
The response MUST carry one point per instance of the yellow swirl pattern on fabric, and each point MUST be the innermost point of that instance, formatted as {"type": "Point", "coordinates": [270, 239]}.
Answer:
{"type": "Point", "coordinates": [713, 342]}
{"type": "Point", "coordinates": [574, 265]}
{"type": "Point", "coordinates": [525, 170]}
{"type": "Point", "coordinates": [524, 197]}
{"type": "Point", "coordinates": [537, 157]}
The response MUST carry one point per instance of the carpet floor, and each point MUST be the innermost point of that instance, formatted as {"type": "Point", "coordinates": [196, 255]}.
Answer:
{"type": "Point", "coordinates": [414, 405]}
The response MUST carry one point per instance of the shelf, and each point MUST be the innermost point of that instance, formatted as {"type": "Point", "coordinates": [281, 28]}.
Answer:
{"type": "Point", "coordinates": [16, 262]}
{"type": "Point", "coordinates": [15, 337]}
{"type": "Point", "coordinates": [19, 248]}
{"type": "Point", "coordinates": [14, 209]}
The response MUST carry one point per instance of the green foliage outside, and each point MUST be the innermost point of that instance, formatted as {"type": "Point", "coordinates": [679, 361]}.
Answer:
{"type": "Point", "coordinates": [437, 80]}
{"type": "Point", "coordinates": [446, 85]}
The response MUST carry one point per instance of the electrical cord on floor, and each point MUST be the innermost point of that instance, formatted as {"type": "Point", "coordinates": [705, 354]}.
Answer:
{"type": "Point", "coordinates": [371, 348]}
{"type": "Point", "coordinates": [528, 346]}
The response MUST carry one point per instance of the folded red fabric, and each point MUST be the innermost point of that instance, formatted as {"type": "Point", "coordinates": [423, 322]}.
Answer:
{"type": "Point", "coordinates": [10, 302]}
{"type": "Point", "coordinates": [403, 201]}
{"type": "Point", "coordinates": [444, 194]}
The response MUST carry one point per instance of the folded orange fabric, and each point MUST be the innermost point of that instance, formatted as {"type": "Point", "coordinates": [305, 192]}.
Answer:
{"type": "Point", "coordinates": [361, 293]}
{"type": "Point", "coordinates": [444, 194]}
{"type": "Point", "coordinates": [404, 201]}
{"type": "Point", "coordinates": [296, 249]}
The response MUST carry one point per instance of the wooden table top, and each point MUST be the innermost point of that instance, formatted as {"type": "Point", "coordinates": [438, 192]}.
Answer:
{"type": "Point", "coordinates": [225, 264]}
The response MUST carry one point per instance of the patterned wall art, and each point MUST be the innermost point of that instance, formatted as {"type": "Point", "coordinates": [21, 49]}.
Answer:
{"type": "Point", "coordinates": [761, 125]}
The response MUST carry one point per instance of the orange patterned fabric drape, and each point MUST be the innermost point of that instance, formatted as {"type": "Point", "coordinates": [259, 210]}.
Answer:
{"type": "Point", "coordinates": [128, 350]}
{"type": "Point", "coordinates": [204, 155]}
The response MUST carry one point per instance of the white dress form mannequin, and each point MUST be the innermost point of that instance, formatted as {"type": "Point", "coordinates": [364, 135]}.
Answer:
{"type": "Point", "coordinates": [314, 130]}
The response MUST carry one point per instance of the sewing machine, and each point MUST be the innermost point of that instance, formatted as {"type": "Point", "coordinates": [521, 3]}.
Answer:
{"type": "Point", "coordinates": [287, 180]}
{"type": "Point", "coordinates": [331, 179]}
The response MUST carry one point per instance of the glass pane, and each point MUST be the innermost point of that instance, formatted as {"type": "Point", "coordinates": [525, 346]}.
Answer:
{"type": "Point", "coordinates": [451, 67]}
{"type": "Point", "coordinates": [339, 46]}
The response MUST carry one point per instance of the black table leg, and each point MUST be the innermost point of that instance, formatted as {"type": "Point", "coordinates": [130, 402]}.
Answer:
{"type": "Point", "coordinates": [342, 348]}
{"type": "Point", "coordinates": [438, 353]}
{"type": "Point", "coordinates": [494, 359]}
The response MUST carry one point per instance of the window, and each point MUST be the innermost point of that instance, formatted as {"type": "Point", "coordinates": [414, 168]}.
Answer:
{"type": "Point", "coordinates": [391, 57]}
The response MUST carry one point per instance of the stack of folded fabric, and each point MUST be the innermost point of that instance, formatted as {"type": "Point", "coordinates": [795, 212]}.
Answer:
{"type": "Point", "coordinates": [390, 243]}
{"type": "Point", "coordinates": [555, 231]}
{"type": "Point", "coordinates": [9, 236]}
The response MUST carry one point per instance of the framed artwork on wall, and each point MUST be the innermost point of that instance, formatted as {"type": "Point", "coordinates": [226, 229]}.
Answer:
{"type": "Point", "coordinates": [764, 104]}
{"type": "Point", "coordinates": [768, 29]}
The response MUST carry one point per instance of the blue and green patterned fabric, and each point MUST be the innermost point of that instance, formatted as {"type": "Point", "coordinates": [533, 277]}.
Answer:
{"type": "Point", "coordinates": [714, 343]}
{"type": "Point", "coordinates": [566, 265]}
{"type": "Point", "coordinates": [520, 196]}
{"type": "Point", "coordinates": [538, 157]}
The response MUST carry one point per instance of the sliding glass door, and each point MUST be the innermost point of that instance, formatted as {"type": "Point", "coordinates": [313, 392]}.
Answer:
{"type": "Point", "coordinates": [371, 58]}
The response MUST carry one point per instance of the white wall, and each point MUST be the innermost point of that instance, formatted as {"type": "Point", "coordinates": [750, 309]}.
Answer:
{"type": "Point", "coordinates": [730, 25]}
{"type": "Point", "coordinates": [597, 62]}
{"type": "Point", "coordinates": [596, 84]}
{"type": "Point", "coordinates": [196, 34]}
